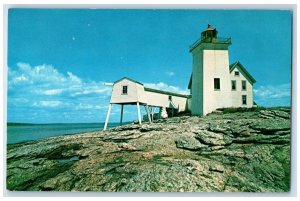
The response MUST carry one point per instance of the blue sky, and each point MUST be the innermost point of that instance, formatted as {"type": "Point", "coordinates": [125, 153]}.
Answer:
{"type": "Point", "coordinates": [59, 60]}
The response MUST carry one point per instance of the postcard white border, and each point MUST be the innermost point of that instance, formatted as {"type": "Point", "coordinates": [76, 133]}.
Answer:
{"type": "Point", "coordinates": [160, 5]}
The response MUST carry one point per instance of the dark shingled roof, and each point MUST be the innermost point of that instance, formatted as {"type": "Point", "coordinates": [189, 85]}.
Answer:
{"type": "Point", "coordinates": [128, 79]}
{"type": "Point", "coordinates": [243, 69]}
{"type": "Point", "coordinates": [154, 90]}
{"type": "Point", "coordinates": [166, 92]}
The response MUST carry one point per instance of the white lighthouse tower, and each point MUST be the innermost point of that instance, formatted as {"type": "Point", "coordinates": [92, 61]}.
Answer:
{"type": "Point", "coordinates": [210, 82]}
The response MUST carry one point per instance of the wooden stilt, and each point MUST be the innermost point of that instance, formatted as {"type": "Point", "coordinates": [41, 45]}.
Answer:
{"type": "Point", "coordinates": [139, 112]}
{"type": "Point", "coordinates": [107, 117]}
{"type": "Point", "coordinates": [121, 119]}
{"type": "Point", "coordinates": [145, 109]}
{"type": "Point", "coordinates": [151, 113]}
{"type": "Point", "coordinates": [148, 112]}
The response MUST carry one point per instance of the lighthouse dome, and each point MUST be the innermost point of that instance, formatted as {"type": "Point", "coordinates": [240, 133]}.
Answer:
{"type": "Point", "coordinates": [209, 34]}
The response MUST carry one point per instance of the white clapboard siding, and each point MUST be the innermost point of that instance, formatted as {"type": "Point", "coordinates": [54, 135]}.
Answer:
{"type": "Point", "coordinates": [162, 100]}
{"type": "Point", "coordinates": [134, 92]}
{"type": "Point", "coordinates": [237, 94]}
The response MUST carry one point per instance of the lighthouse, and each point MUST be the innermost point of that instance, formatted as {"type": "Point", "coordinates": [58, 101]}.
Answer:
{"type": "Point", "coordinates": [213, 84]}
{"type": "Point", "coordinates": [210, 83]}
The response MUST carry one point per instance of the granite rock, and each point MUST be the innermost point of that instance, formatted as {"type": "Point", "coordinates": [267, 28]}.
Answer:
{"type": "Point", "coordinates": [222, 152]}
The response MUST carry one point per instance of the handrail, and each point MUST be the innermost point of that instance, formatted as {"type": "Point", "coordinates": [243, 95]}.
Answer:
{"type": "Point", "coordinates": [213, 40]}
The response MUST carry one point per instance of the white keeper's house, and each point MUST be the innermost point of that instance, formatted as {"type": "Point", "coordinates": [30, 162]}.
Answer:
{"type": "Point", "coordinates": [214, 83]}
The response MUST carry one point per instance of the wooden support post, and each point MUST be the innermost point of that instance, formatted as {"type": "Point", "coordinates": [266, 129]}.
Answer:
{"type": "Point", "coordinates": [139, 112]}
{"type": "Point", "coordinates": [107, 117]}
{"type": "Point", "coordinates": [121, 119]}
{"type": "Point", "coordinates": [145, 110]}
{"type": "Point", "coordinates": [148, 113]}
{"type": "Point", "coordinates": [151, 113]}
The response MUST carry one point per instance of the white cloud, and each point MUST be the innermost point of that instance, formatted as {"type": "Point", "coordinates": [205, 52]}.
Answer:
{"type": "Point", "coordinates": [24, 67]}
{"type": "Point", "coordinates": [276, 95]}
{"type": "Point", "coordinates": [74, 78]}
{"type": "Point", "coordinates": [38, 75]}
{"type": "Point", "coordinates": [92, 88]}
{"type": "Point", "coordinates": [165, 87]}
{"type": "Point", "coordinates": [53, 91]}
{"type": "Point", "coordinates": [85, 106]}
{"type": "Point", "coordinates": [43, 86]}
{"type": "Point", "coordinates": [278, 91]}
{"type": "Point", "coordinates": [19, 101]}
{"type": "Point", "coordinates": [47, 103]}
{"type": "Point", "coordinates": [20, 79]}
{"type": "Point", "coordinates": [49, 92]}
{"type": "Point", "coordinates": [170, 73]}
{"type": "Point", "coordinates": [46, 80]}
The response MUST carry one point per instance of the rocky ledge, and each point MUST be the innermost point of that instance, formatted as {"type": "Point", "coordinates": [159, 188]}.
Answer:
{"type": "Point", "coordinates": [242, 151]}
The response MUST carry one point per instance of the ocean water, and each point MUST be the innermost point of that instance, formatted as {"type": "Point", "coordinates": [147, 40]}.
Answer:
{"type": "Point", "coordinates": [17, 133]}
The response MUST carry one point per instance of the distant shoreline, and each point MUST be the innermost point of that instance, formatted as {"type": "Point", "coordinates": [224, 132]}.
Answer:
{"type": "Point", "coordinates": [41, 139]}
{"type": "Point", "coordinates": [23, 132]}
{"type": "Point", "coordinates": [32, 124]}
{"type": "Point", "coordinates": [18, 124]}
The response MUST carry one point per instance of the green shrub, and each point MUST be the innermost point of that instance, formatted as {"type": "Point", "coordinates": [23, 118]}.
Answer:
{"type": "Point", "coordinates": [241, 109]}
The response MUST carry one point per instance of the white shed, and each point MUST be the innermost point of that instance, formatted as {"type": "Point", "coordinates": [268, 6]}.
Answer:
{"type": "Point", "coordinates": [130, 92]}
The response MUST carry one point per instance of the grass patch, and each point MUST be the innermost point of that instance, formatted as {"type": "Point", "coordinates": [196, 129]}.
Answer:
{"type": "Point", "coordinates": [241, 109]}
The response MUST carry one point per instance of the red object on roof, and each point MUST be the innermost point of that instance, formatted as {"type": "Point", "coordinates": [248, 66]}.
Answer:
{"type": "Point", "coordinates": [209, 28]}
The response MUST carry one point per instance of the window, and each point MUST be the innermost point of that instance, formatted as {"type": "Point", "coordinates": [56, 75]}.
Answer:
{"type": "Point", "coordinates": [233, 85]}
{"type": "Point", "coordinates": [170, 98]}
{"type": "Point", "coordinates": [217, 83]}
{"type": "Point", "coordinates": [124, 89]}
{"type": "Point", "coordinates": [244, 99]}
{"type": "Point", "coordinates": [236, 73]}
{"type": "Point", "coordinates": [243, 85]}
